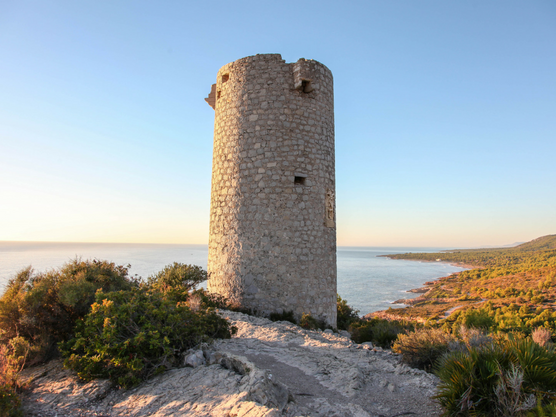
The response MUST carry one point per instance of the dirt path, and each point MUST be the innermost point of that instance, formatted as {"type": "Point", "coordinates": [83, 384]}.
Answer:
{"type": "Point", "coordinates": [329, 375]}
{"type": "Point", "coordinates": [450, 311]}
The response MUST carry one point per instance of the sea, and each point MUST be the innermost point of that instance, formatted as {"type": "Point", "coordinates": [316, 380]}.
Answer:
{"type": "Point", "coordinates": [366, 280]}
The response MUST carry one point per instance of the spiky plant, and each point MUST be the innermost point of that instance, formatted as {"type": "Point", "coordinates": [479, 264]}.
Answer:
{"type": "Point", "coordinates": [548, 410]}
{"type": "Point", "coordinates": [499, 379]}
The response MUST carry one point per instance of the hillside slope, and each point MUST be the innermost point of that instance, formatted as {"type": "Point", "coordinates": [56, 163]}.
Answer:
{"type": "Point", "coordinates": [547, 242]}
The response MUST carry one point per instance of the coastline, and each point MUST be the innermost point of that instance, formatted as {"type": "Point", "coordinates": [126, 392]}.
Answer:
{"type": "Point", "coordinates": [506, 278]}
{"type": "Point", "coordinates": [423, 291]}
{"type": "Point", "coordinates": [452, 263]}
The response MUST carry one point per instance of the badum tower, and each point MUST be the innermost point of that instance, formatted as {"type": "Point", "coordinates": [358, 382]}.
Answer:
{"type": "Point", "coordinates": [272, 244]}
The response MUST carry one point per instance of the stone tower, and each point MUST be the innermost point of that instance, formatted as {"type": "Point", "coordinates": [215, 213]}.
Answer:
{"type": "Point", "coordinates": [272, 244]}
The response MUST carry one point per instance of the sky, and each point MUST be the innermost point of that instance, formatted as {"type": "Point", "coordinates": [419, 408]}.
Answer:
{"type": "Point", "coordinates": [445, 115]}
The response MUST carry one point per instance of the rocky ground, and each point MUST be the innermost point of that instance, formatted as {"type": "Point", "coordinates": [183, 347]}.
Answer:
{"type": "Point", "coordinates": [268, 369]}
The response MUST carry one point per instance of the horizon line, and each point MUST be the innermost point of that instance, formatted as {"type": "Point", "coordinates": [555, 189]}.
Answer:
{"type": "Point", "coordinates": [206, 244]}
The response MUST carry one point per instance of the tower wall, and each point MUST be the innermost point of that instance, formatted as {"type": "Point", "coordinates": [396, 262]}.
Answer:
{"type": "Point", "coordinates": [272, 244]}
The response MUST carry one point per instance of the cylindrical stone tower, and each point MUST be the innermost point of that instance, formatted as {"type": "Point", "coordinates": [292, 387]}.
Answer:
{"type": "Point", "coordinates": [272, 244]}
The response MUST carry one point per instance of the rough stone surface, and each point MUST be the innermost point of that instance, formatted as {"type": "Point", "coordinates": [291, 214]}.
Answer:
{"type": "Point", "coordinates": [272, 243]}
{"type": "Point", "coordinates": [267, 370]}
{"type": "Point", "coordinates": [195, 359]}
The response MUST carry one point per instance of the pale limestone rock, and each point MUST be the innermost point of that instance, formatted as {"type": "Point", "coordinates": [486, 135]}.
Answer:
{"type": "Point", "coordinates": [195, 359]}
{"type": "Point", "coordinates": [268, 369]}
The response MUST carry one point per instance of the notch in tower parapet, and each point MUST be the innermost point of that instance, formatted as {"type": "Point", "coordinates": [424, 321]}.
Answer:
{"type": "Point", "coordinates": [302, 76]}
{"type": "Point", "coordinates": [211, 99]}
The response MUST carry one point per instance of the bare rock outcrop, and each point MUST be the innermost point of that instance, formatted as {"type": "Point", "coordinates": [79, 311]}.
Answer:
{"type": "Point", "coordinates": [268, 369]}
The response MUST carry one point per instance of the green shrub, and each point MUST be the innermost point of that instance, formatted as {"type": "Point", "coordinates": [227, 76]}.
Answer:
{"type": "Point", "coordinates": [9, 402]}
{"type": "Point", "coordinates": [177, 280]}
{"type": "Point", "coordinates": [12, 359]}
{"type": "Point", "coordinates": [42, 308]}
{"type": "Point", "coordinates": [345, 314]}
{"type": "Point", "coordinates": [132, 331]}
{"type": "Point", "coordinates": [499, 379]}
{"type": "Point", "coordinates": [423, 347]}
{"type": "Point", "coordinates": [379, 331]}
{"type": "Point", "coordinates": [478, 318]}
{"type": "Point", "coordinates": [285, 316]}
{"type": "Point", "coordinates": [362, 331]}
{"type": "Point", "coordinates": [482, 319]}
{"type": "Point", "coordinates": [131, 335]}
{"type": "Point", "coordinates": [80, 280]}
{"type": "Point", "coordinates": [307, 321]}
{"type": "Point", "coordinates": [209, 300]}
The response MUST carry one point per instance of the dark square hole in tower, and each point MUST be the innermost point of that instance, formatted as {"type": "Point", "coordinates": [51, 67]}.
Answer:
{"type": "Point", "coordinates": [299, 180]}
{"type": "Point", "coordinates": [225, 77]}
{"type": "Point", "coordinates": [306, 86]}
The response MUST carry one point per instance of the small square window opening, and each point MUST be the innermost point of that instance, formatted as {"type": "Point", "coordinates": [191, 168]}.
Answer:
{"type": "Point", "coordinates": [306, 86]}
{"type": "Point", "coordinates": [299, 180]}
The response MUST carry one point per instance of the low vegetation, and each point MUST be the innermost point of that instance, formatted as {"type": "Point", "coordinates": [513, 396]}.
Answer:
{"type": "Point", "coordinates": [12, 360]}
{"type": "Point", "coordinates": [501, 379]}
{"type": "Point", "coordinates": [422, 348]}
{"type": "Point", "coordinates": [42, 308]}
{"type": "Point", "coordinates": [380, 332]}
{"type": "Point", "coordinates": [285, 316]}
{"type": "Point", "coordinates": [488, 331]}
{"type": "Point", "coordinates": [307, 321]}
{"type": "Point", "coordinates": [129, 336]}
{"type": "Point", "coordinates": [103, 322]}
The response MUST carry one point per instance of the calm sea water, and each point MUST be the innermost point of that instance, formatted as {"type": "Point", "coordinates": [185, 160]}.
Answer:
{"type": "Point", "coordinates": [368, 282]}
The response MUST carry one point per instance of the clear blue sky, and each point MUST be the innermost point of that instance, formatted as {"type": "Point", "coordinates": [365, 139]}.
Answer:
{"type": "Point", "coordinates": [445, 115]}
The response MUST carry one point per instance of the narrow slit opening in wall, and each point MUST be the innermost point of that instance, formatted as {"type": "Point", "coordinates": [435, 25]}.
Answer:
{"type": "Point", "coordinates": [218, 94]}
{"type": "Point", "coordinates": [299, 180]}
{"type": "Point", "coordinates": [225, 77]}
